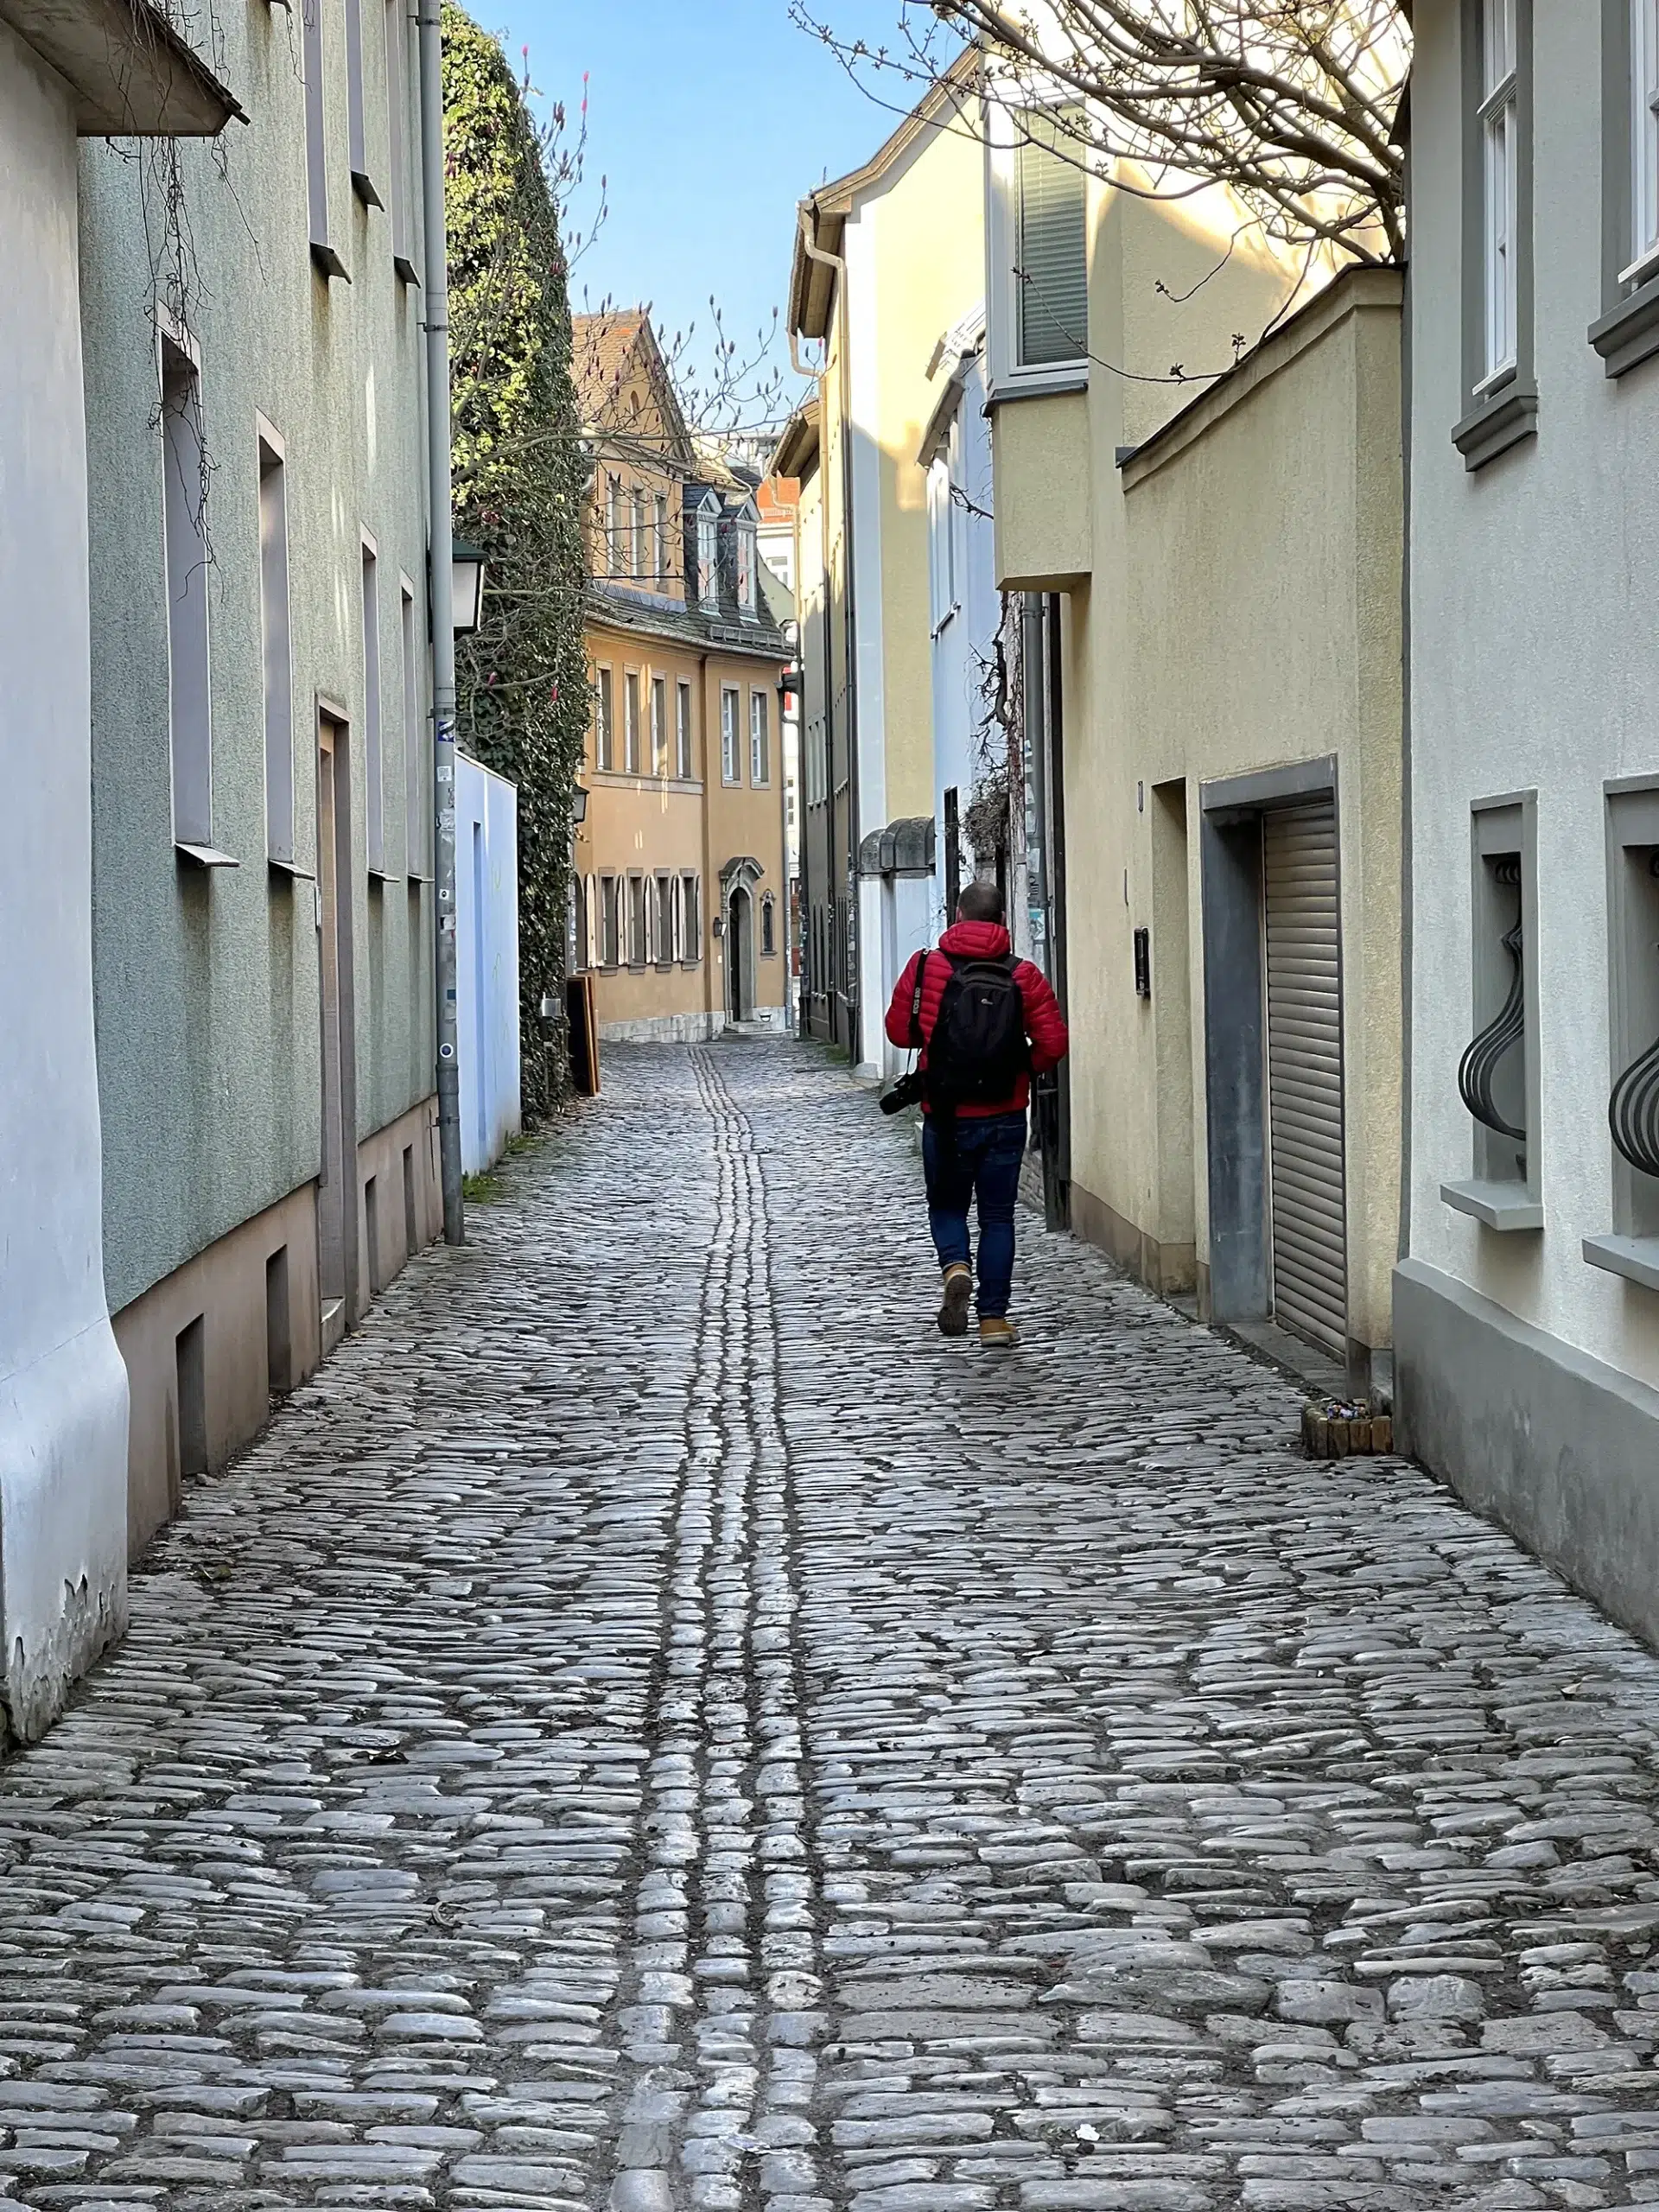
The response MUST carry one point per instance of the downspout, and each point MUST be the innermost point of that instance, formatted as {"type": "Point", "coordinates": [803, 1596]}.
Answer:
{"type": "Point", "coordinates": [441, 586]}
{"type": "Point", "coordinates": [816, 252]}
{"type": "Point", "coordinates": [809, 375]}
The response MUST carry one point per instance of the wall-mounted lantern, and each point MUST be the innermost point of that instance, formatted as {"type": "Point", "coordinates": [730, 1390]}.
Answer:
{"type": "Point", "coordinates": [466, 570]}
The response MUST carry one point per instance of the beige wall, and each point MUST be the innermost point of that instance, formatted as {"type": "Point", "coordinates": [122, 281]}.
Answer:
{"type": "Point", "coordinates": [645, 823]}
{"type": "Point", "coordinates": [1254, 622]}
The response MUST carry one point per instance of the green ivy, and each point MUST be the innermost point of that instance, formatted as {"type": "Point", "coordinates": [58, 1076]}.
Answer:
{"type": "Point", "coordinates": [521, 678]}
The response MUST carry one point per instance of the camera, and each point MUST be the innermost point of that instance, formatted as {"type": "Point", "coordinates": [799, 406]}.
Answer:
{"type": "Point", "coordinates": [908, 1092]}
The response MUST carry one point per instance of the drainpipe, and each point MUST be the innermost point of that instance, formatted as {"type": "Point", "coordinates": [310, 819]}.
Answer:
{"type": "Point", "coordinates": [428, 19]}
{"type": "Point", "coordinates": [816, 252]}
{"type": "Point", "coordinates": [806, 992]}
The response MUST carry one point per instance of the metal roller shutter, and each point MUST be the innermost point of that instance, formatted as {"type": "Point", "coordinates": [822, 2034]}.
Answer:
{"type": "Point", "coordinates": [1304, 971]}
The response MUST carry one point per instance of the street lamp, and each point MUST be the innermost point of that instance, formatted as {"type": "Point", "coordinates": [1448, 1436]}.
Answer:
{"type": "Point", "coordinates": [467, 569]}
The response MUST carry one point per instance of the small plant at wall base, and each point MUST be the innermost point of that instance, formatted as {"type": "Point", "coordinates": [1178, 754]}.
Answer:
{"type": "Point", "coordinates": [520, 473]}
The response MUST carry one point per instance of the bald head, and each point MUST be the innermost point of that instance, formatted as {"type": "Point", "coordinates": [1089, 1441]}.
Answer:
{"type": "Point", "coordinates": [980, 902]}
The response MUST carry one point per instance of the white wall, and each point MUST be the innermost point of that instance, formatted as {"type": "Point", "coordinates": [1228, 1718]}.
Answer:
{"type": "Point", "coordinates": [1534, 665]}
{"type": "Point", "coordinates": [63, 1388]}
{"type": "Point", "coordinates": [966, 644]}
{"type": "Point", "coordinates": [486, 961]}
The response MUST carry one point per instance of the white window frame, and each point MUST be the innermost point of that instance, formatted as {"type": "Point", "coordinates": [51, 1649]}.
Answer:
{"type": "Point", "coordinates": [1004, 137]}
{"type": "Point", "coordinates": [659, 532]}
{"type": "Point", "coordinates": [1498, 119]}
{"type": "Point", "coordinates": [613, 522]}
{"type": "Point", "coordinates": [659, 725]}
{"type": "Point", "coordinates": [684, 764]}
{"type": "Point", "coordinates": [605, 718]}
{"type": "Point", "coordinates": [631, 722]}
{"type": "Point", "coordinates": [707, 558]}
{"type": "Point", "coordinates": [760, 739]}
{"type": "Point", "coordinates": [636, 526]}
{"type": "Point", "coordinates": [276, 641]}
{"type": "Point", "coordinates": [1643, 240]}
{"type": "Point", "coordinates": [731, 765]}
{"type": "Point", "coordinates": [745, 559]}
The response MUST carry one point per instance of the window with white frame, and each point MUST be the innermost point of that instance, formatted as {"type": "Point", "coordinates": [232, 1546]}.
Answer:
{"type": "Point", "coordinates": [1644, 141]}
{"type": "Point", "coordinates": [604, 719]}
{"type": "Point", "coordinates": [659, 725]}
{"type": "Point", "coordinates": [659, 534]}
{"type": "Point", "coordinates": [745, 535]}
{"type": "Point", "coordinates": [760, 739]}
{"type": "Point", "coordinates": [277, 648]}
{"type": "Point", "coordinates": [613, 526]}
{"type": "Point", "coordinates": [682, 732]}
{"type": "Point", "coordinates": [374, 766]}
{"type": "Point", "coordinates": [730, 767]}
{"type": "Point", "coordinates": [417, 813]}
{"type": "Point", "coordinates": [184, 512]}
{"type": "Point", "coordinates": [631, 722]}
{"type": "Point", "coordinates": [690, 917]}
{"type": "Point", "coordinates": [1050, 321]}
{"type": "Point", "coordinates": [707, 558]}
{"type": "Point", "coordinates": [637, 511]}
{"type": "Point", "coordinates": [1500, 130]}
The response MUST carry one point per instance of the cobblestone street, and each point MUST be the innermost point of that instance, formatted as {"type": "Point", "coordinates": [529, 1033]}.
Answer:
{"type": "Point", "coordinates": [654, 1726]}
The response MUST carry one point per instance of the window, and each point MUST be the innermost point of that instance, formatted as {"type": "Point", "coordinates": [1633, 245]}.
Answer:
{"type": "Point", "coordinates": [691, 917]}
{"type": "Point", "coordinates": [609, 939]}
{"type": "Point", "coordinates": [682, 732]}
{"type": "Point", "coordinates": [637, 505]}
{"type": "Point", "coordinates": [636, 921]}
{"type": "Point", "coordinates": [664, 920]}
{"type": "Point", "coordinates": [356, 135]}
{"type": "Point", "coordinates": [729, 761]}
{"type": "Point", "coordinates": [631, 722]}
{"type": "Point", "coordinates": [276, 646]}
{"type": "Point", "coordinates": [613, 526]}
{"type": "Point", "coordinates": [658, 726]}
{"type": "Point", "coordinates": [184, 508]}
{"type": "Point", "coordinates": [604, 721]}
{"type": "Point", "coordinates": [1498, 1077]}
{"type": "Point", "coordinates": [417, 814]}
{"type": "Point", "coordinates": [708, 558]}
{"type": "Point", "coordinates": [760, 739]}
{"type": "Point", "coordinates": [374, 766]}
{"type": "Point", "coordinates": [768, 924]}
{"type": "Point", "coordinates": [1644, 141]}
{"type": "Point", "coordinates": [1501, 172]}
{"type": "Point", "coordinates": [745, 534]}
{"type": "Point", "coordinates": [316, 146]}
{"type": "Point", "coordinates": [1050, 251]}
{"type": "Point", "coordinates": [403, 243]}
{"type": "Point", "coordinates": [660, 505]}
{"type": "Point", "coordinates": [941, 539]}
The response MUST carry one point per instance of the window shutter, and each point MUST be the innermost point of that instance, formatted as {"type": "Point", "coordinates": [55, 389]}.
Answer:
{"type": "Point", "coordinates": [1052, 265]}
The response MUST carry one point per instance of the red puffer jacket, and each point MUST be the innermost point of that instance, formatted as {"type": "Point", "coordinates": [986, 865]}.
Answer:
{"type": "Point", "coordinates": [1044, 1024]}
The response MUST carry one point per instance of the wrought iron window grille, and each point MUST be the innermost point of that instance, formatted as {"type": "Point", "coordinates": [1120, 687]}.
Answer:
{"type": "Point", "coordinates": [1633, 1108]}
{"type": "Point", "coordinates": [1477, 1070]}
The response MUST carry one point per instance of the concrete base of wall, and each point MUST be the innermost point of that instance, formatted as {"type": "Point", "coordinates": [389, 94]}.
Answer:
{"type": "Point", "coordinates": [663, 1029]}
{"type": "Point", "coordinates": [1561, 1449]}
{"type": "Point", "coordinates": [1162, 1268]}
{"type": "Point", "coordinates": [209, 1347]}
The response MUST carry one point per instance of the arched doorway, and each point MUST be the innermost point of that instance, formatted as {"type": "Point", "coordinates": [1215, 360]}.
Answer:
{"type": "Point", "coordinates": [740, 955]}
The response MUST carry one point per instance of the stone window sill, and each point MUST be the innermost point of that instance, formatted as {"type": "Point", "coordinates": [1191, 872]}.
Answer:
{"type": "Point", "coordinates": [1496, 423]}
{"type": "Point", "coordinates": [1038, 384]}
{"type": "Point", "coordinates": [1636, 1258]}
{"type": "Point", "coordinates": [1503, 1206]}
{"type": "Point", "coordinates": [1629, 333]}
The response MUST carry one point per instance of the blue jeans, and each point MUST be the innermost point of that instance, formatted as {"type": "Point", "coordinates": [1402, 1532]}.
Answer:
{"type": "Point", "coordinates": [982, 1164]}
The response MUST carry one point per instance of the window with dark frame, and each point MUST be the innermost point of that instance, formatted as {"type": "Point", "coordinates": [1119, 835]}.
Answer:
{"type": "Point", "coordinates": [664, 920]}
{"type": "Point", "coordinates": [276, 651]}
{"type": "Point", "coordinates": [637, 953]}
{"type": "Point", "coordinates": [1051, 273]}
{"type": "Point", "coordinates": [184, 508]}
{"type": "Point", "coordinates": [691, 917]}
{"type": "Point", "coordinates": [610, 945]}
{"type": "Point", "coordinates": [374, 766]}
{"type": "Point", "coordinates": [768, 924]}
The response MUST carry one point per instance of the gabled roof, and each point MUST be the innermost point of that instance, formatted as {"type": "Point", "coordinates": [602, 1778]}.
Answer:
{"type": "Point", "coordinates": [821, 217]}
{"type": "Point", "coordinates": [133, 76]}
{"type": "Point", "coordinates": [608, 350]}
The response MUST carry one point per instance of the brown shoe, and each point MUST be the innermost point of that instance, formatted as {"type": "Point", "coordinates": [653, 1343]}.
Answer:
{"type": "Point", "coordinates": [958, 1290]}
{"type": "Point", "coordinates": [997, 1334]}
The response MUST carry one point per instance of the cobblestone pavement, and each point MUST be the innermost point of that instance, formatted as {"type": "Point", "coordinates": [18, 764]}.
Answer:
{"type": "Point", "coordinates": [653, 1726]}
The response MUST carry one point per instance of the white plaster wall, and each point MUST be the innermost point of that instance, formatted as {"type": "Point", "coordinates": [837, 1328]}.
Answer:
{"type": "Point", "coordinates": [858, 248]}
{"type": "Point", "coordinates": [63, 1389]}
{"type": "Point", "coordinates": [1535, 663]}
{"type": "Point", "coordinates": [487, 961]}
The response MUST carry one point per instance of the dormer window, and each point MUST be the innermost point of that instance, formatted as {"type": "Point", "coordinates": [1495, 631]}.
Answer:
{"type": "Point", "coordinates": [745, 535]}
{"type": "Point", "coordinates": [708, 558]}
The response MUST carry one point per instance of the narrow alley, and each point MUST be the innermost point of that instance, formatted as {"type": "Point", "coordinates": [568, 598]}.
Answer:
{"type": "Point", "coordinates": [652, 1725]}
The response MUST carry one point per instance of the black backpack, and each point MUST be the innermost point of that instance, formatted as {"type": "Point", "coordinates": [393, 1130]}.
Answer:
{"type": "Point", "coordinates": [978, 1050]}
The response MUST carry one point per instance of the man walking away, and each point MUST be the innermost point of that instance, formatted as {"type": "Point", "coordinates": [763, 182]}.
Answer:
{"type": "Point", "coordinates": [984, 1023]}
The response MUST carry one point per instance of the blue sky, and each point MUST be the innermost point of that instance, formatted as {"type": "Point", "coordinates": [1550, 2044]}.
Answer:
{"type": "Point", "coordinates": [709, 119]}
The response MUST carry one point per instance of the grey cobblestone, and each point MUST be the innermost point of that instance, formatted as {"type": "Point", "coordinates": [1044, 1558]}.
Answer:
{"type": "Point", "coordinates": [654, 1727]}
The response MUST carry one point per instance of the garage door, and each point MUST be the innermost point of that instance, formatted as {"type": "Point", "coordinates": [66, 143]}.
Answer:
{"type": "Point", "coordinates": [1304, 966]}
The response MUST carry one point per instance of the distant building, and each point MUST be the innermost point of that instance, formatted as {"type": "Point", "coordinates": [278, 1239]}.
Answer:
{"type": "Point", "coordinates": [679, 898]}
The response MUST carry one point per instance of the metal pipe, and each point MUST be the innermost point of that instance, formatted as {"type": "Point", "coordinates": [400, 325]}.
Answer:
{"type": "Point", "coordinates": [440, 585]}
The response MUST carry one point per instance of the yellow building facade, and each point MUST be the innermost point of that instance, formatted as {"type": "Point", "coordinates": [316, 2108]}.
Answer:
{"type": "Point", "coordinates": [679, 894]}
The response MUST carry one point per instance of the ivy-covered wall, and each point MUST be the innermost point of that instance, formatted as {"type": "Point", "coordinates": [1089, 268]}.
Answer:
{"type": "Point", "coordinates": [519, 471]}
